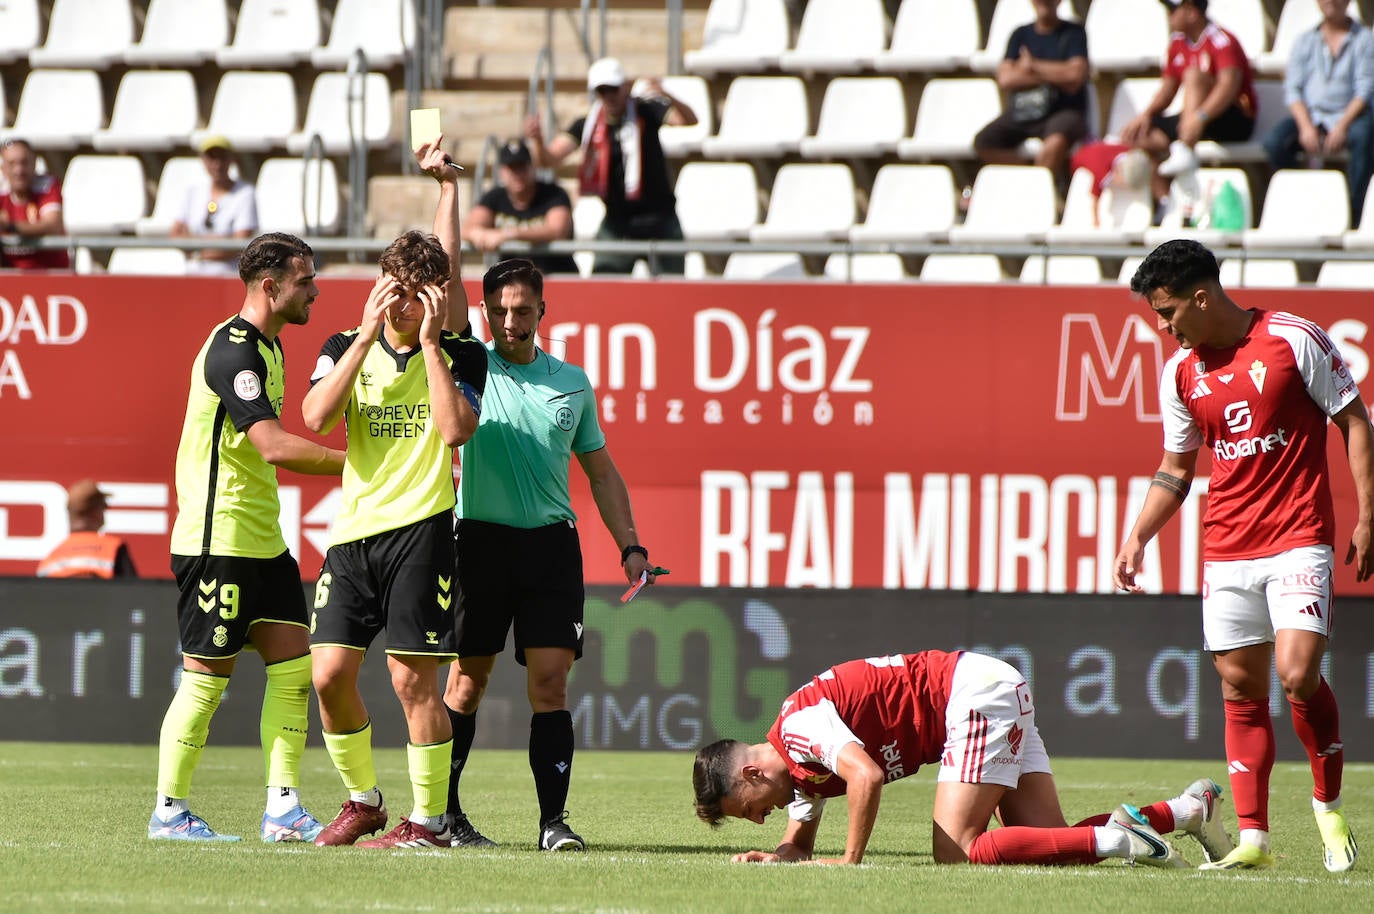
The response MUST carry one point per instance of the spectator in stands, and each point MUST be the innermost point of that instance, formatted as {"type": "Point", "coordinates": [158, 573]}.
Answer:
{"type": "Point", "coordinates": [86, 552]}
{"type": "Point", "coordinates": [1117, 169]}
{"type": "Point", "coordinates": [31, 207]}
{"type": "Point", "coordinates": [1328, 88]}
{"type": "Point", "coordinates": [522, 208]}
{"type": "Point", "coordinates": [221, 206]}
{"type": "Point", "coordinates": [622, 161]}
{"type": "Point", "coordinates": [1045, 75]}
{"type": "Point", "coordinates": [1219, 102]}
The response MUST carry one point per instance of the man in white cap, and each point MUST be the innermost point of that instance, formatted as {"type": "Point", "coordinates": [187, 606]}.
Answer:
{"type": "Point", "coordinates": [222, 205]}
{"type": "Point", "coordinates": [622, 161]}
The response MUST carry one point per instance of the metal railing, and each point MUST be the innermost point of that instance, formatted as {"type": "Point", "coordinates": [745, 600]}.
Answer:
{"type": "Point", "coordinates": [355, 94]}
{"type": "Point", "coordinates": [542, 80]}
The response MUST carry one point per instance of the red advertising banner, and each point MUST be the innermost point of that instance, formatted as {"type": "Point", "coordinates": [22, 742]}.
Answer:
{"type": "Point", "coordinates": [997, 438]}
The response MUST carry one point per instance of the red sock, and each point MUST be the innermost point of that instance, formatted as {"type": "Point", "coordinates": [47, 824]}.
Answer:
{"type": "Point", "coordinates": [1317, 721]}
{"type": "Point", "coordinates": [1159, 815]}
{"type": "Point", "coordinates": [1024, 844]}
{"type": "Point", "coordinates": [1250, 759]}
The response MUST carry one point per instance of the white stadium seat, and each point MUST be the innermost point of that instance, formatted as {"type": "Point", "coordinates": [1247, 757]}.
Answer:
{"type": "Point", "coordinates": [1126, 36]}
{"type": "Point", "coordinates": [1258, 273]}
{"type": "Point", "coordinates": [296, 198]}
{"type": "Point", "coordinates": [1062, 270]}
{"type": "Point", "coordinates": [587, 213]}
{"type": "Point", "coordinates": [148, 261]}
{"type": "Point", "coordinates": [181, 33]}
{"type": "Point", "coordinates": [102, 195]}
{"type": "Point", "coordinates": [20, 24]}
{"type": "Point", "coordinates": [763, 116]}
{"type": "Point", "coordinates": [1302, 208]}
{"type": "Point", "coordinates": [1122, 217]}
{"type": "Point", "coordinates": [838, 36]}
{"type": "Point", "coordinates": [86, 33]}
{"type": "Point", "coordinates": [759, 265]}
{"type": "Point", "coordinates": [1010, 203]}
{"type": "Point", "coordinates": [809, 202]}
{"type": "Point", "coordinates": [860, 117]}
{"type": "Point", "coordinates": [153, 110]}
{"type": "Point", "coordinates": [385, 30]}
{"type": "Point", "coordinates": [743, 36]}
{"type": "Point", "coordinates": [963, 268]}
{"type": "Point", "coordinates": [677, 140]}
{"type": "Point", "coordinates": [178, 173]}
{"type": "Point", "coordinates": [59, 109]}
{"type": "Point", "coordinates": [256, 111]}
{"type": "Point", "coordinates": [273, 33]}
{"type": "Point", "coordinates": [336, 119]}
{"type": "Point", "coordinates": [717, 200]}
{"type": "Point", "coordinates": [931, 36]}
{"type": "Point", "coordinates": [865, 268]}
{"type": "Point", "coordinates": [913, 203]}
{"type": "Point", "coordinates": [951, 112]}
{"type": "Point", "coordinates": [1346, 274]}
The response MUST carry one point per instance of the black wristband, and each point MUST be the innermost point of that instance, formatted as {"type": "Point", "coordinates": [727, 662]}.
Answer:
{"type": "Point", "coordinates": [631, 549]}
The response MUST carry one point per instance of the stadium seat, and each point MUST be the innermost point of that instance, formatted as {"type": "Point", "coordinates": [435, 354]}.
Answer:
{"type": "Point", "coordinates": [1210, 180]}
{"type": "Point", "coordinates": [256, 111]}
{"type": "Point", "coordinates": [717, 200]}
{"type": "Point", "coordinates": [1269, 94]}
{"type": "Point", "coordinates": [1124, 217]}
{"type": "Point", "coordinates": [59, 109]}
{"type": "Point", "coordinates": [1362, 237]}
{"type": "Point", "coordinates": [1131, 97]}
{"type": "Point", "coordinates": [1254, 273]}
{"type": "Point", "coordinates": [1302, 208]}
{"type": "Point", "coordinates": [1346, 274]}
{"type": "Point", "coordinates": [1128, 268]}
{"type": "Point", "coordinates": [330, 114]}
{"type": "Point", "coordinates": [1126, 36]}
{"type": "Point", "coordinates": [177, 174]}
{"type": "Point", "coordinates": [913, 203]}
{"type": "Point", "coordinates": [964, 268]}
{"type": "Point", "coordinates": [296, 198]}
{"type": "Point", "coordinates": [763, 116]}
{"type": "Point", "coordinates": [86, 33]}
{"type": "Point", "coordinates": [181, 33]}
{"type": "Point", "coordinates": [865, 268]}
{"type": "Point", "coordinates": [694, 266]}
{"type": "Point", "coordinates": [1010, 203]}
{"type": "Point", "coordinates": [1007, 16]}
{"type": "Point", "coordinates": [760, 265]}
{"type": "Point", "coordinates": [742, 36]}
{"type": "Point", "coordinates": [838, 36]}
{"type": "Point", "coordinates": [148, 261]}
{"type": "Point", "coordinates": [951, 112]}
{"type": "Point", "coordinates": [809, 202]}
{"type": "Point", "coordinates": [384, 29]}
{"type": "Point", "coordinates": [931, 36]}
{"type": "Point", "coordinates": [103, 195]}
{"type": "Point", "coordinates": [1062, 270]}
{"type": "Point", "coordinates": [1294, 19]}
{"type": "Point", "coordinates": [153, 110]}
{"type": "Point", "coordinates": [861, 117]}
{"type": "Point", "coordinates": [587, 213]}
{"type": "Point", "coordinates": [1246, 20]}
{"type": "Point", "coordinates": [273, 33]}
{"type": "Point", "coordinates": [20, 26]}
{"type": "Point", "coordinates": [692, 91]}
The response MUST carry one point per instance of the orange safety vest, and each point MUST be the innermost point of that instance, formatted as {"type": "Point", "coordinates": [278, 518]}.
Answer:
{"type": "Point", "coordinates": [84, 554]}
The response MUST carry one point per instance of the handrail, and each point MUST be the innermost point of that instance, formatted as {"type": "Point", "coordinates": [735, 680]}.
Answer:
{"type": "Point", "coordinates": [356, 107]}
{"type": "Point", "coordinates": [586, 30]}
{"type": "Point", "coordinates": [432, 41]}
{"type": "Point", "coordinates": [415, 72]}
{"type": "Point", "coordinates": [491, 148]}
{"type": "Point", "coordinates": [542, 76]}
{"type": "Point", "coordinates": [673, 66]}
{"type": "Point", "coordinates": [314, 152]}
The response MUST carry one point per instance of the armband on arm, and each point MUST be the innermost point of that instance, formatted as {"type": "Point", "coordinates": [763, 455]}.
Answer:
{"type": "Point", "coordinates": [1174, 485]}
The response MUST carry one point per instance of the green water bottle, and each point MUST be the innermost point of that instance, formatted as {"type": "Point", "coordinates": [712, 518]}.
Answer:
{"type": "Point", "coordinates": [1228, 209]}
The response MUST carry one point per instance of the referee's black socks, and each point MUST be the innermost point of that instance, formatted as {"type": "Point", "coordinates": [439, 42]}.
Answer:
{"type": "Point", "coordinates": [464, 729]}
{"type": "Point", "coordinates": [551, 753]}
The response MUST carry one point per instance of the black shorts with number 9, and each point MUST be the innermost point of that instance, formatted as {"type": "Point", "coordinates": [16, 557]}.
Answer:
{"type": "Point", "coordinates": [221, 596]}
{"type": "Point", "coordinates": [401, 580]}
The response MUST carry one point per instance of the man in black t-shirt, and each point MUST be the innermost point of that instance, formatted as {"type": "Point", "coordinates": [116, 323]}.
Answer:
{"type": "Point", "coordinates": [1044, 75]}
{"type": "Point", "coordinates": [522, 208]}
{"type": "Point", "coordinates": [622, 161]}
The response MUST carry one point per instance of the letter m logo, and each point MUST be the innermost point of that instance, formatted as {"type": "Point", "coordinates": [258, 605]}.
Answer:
{"type": "Point", "coordinates": [1092, 371]}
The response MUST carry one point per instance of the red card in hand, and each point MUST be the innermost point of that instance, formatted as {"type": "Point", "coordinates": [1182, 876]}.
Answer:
{"type": "Point", "coordinates": [635, 588]}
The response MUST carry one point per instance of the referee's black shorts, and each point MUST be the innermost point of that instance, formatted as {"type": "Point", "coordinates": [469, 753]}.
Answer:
{"type": "Point", "coordinates": [529, 577]}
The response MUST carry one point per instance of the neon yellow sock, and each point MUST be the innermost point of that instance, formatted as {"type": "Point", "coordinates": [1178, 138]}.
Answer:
{"type": "Point", "coordinates": [352, 756]}
{"type": "Point", "coordinates": [185, 729]}
{"type": "Point", "coordinates": [429, 770]}
{"type": "Point", "coordinates": [285, 720]}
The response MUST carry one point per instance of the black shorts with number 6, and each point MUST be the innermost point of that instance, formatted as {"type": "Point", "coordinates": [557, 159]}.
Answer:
{"type": "Point", "coordinates": [223, 595]}
{"type": "Point", "coordinates": [401, 580]}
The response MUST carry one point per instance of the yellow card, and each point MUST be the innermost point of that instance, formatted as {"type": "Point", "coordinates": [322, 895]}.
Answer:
{"type": "Point", "coordinates": [424, 127]}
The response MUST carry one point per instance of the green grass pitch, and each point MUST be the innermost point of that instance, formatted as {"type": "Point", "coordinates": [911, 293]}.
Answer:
{"type": "Point", "coordinates": [74, 840]}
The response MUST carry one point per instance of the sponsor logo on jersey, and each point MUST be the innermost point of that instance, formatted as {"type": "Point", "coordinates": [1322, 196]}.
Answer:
{"type": "Point", "coordinates": [1014, 737]}
{"type": "Point", "coordinates": [1249, 447]}
{"type": "Point", "coordinates": [1239, 418]}
{"type": "Point", "coordinates": [1200, 389]}
{"type": "Point", "coordinates": [892, 762]}
{"type": "Point", "coordinates": [396, 420]}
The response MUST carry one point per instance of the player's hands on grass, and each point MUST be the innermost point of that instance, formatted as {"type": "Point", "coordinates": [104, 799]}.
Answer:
{"type": "Point", "coordinates": [756, 857]}
{"type": "Point", "coordinates": [385, 293]}
{"type": "Point", "coordinates": [435, 301]}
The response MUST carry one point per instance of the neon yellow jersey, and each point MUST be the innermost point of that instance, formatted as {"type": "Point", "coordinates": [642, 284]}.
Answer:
{"type": "Point", "coordinates": [534, 418]}
{"type": "Point", "coordinates": [226, 492]}
{"type": "Point", "coordinates": [398, 470]}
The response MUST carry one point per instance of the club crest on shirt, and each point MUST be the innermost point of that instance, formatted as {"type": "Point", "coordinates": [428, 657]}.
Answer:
{"type": "Point", "coordinates": [1257, 374]}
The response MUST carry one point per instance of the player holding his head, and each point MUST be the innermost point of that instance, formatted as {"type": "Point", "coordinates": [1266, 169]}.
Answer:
{"type": "Point", "coordinates": [1257, 388]}
{"type": "Point", "coordinates": [239, 585]}
{"type": "Point", "coordinates": [408, 392]}
{"type": "Point", "coordinates": [862, 724]}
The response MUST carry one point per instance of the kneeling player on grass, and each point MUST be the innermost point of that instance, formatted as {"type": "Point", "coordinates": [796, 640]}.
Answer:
{"type": "Point", "coordinates": [866, 722]}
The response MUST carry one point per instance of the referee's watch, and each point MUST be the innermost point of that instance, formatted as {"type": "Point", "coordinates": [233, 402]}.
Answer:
{"type": "Point", "coordinates": [631, 550]}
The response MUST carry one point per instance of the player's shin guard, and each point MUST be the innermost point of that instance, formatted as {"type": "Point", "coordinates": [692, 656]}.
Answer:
{"type": "Point", "coordinates": [551, 754]}
{"type": "Point", "coordinates": [285, 720]}
{"type": "Point", "coordinates": [185, 729]}
{"type": "Point", "coordinates": [464, 730]}
{"type": "Point", "coordinates": [1250, 760]}
{"type": "Point", "coordinates": [1317, 722]}
{"type": "Point", "coordinates": [352, 756]}
{"type": "Point", "coordinates": [1044, 846]}
{"type": "Point", "coordinates": [429, 771]}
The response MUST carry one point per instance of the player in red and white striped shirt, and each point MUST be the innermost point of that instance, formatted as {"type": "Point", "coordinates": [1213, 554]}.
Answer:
{"type": "Point", "coordinates": [1256, 388]}
{"type": "Point", "coordinates": [864, 723]}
